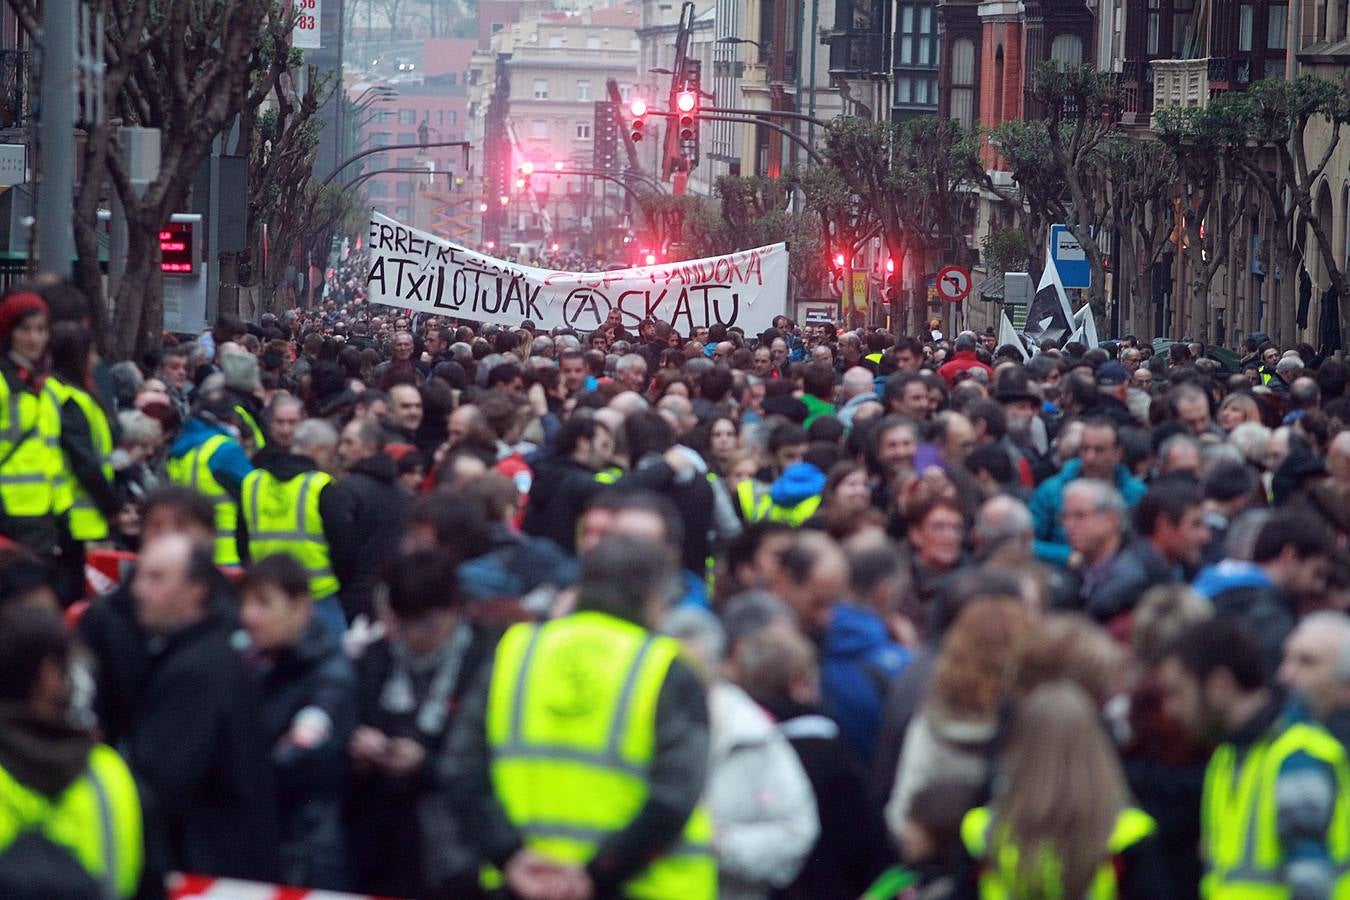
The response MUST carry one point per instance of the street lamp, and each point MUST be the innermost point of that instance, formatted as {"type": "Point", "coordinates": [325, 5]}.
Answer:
{"type": "Point", "coordinates": [732, 40]}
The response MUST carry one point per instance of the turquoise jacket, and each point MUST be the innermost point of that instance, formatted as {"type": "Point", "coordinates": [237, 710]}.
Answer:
{"type": "Point", "coordinates": [1047, 503]}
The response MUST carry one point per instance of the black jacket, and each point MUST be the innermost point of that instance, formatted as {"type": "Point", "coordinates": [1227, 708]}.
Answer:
{"type": "Point", "coordinates": [397, 847]}
{"type": "Point", "coordinates": [852, 849]}
{"type": "Point", "coordinates": [1267, 612]}
{"type": "Point", "coordinates": [562, 488]}
{"type": "Point", "coordinates": [377, 509]}
{"type": "Point", "coordinates": [197, 746]}
{"type": "Point", "coordinates": [315, 677]}
{"type": "Point", "coordinates": [83, 460]}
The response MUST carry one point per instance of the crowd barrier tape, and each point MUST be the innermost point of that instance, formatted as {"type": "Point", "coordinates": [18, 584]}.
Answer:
{"type": "Point", "coordinates": [206, 887]}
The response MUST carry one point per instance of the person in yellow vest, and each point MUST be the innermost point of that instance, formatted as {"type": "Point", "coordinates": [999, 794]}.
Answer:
{"type": "Point", "coordinates": [70, 812]}
{"type": "Point", "coordinates": [86, 446]}
{"type": "Point", "coordinates": [30, 428]}
{"type": "Point", "coordinates": [208, 457]}
{"type": "Point", "coordinates": [1275, 808]}
{"type": "Point", "coordinates": [1062, 824]}
{"type": "Point", "coordinates": [242, 385]}
{"type": "Point", "coordinates": [290, 504]}
{"type": "Point", "coordinates": [578, 760]}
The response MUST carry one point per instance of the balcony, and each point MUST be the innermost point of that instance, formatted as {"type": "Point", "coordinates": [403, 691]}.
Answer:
{"type": "Point", "coordinates": [1180, 83]}
{"type": "Point", "coordinates": [860, 54]}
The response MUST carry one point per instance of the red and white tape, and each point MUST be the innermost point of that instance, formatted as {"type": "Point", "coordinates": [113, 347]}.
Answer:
{"type": "Point", "coordinates": [205, 887]}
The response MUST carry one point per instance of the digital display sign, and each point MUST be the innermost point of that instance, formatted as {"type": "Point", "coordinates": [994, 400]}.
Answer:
{"type": "Point", "coordinates": [175, 249]}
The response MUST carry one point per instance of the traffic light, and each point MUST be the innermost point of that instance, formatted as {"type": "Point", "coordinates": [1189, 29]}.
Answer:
{"type": "Point", "coordinates": [638, 109]}
{"type": "Point", "coordinates": [840, 260]}
{"type": "Point", "coordinates": [891, 290]}
{"type": "Point", "coordinates": [686, 104]}
{"type": "Point", "coordinates": [526, 170]}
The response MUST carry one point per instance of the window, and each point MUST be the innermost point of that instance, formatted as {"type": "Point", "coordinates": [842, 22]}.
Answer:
{"type": "Point", "coordinates": [378, 188]}
{"type": "Point", "coordinates": [407, 117]}
{"type": "Point", "coordinates": [555, 40]}
{"type": "Point", "coordinates": [1276, 37]}
{"type": "Point", "coordinates": [541, 89]}
{"type": "Point", "coordinates": [539, 130]}
{"type": "Point", "coordinates": [1181, 19]}
{"type": "Point", "coordinates": [963, 81]}
{"type": "Point", "coordinates": [379, 115]}
{"type": "Point", "coordinates": [583, 90]}
{"type": "Point", "coordinates": [1067, 50]}
{"type": "Point", "coordinates": [1245, 27]}
{"type": "Point", "coordinates": [454, 117]}
{"type": "Point", "coordinates": [405, 162]}
{"type": "Point", "coordinates": [625, 92]}
{"type": "Point", "coordinates": [1153, 25]}
{"type": "Point", "coordinates": [583, 131]}
{"type": "Point", "coordinates": [904, 89]}
{"type": "Point", "coordinates": [379, 139]}
{"type": "Point", "coordinates": [916, 38]}
{"type": "Point", "coordinates": [400, 212]}
{"type": "Point", "coordinates": [592, 43]}
{"type": "Point", "coordinates": [407, 137]}
{"type": "Point", "coordinates": [403, 189]}
{"type": "Point", "coordinates": [381, 209]}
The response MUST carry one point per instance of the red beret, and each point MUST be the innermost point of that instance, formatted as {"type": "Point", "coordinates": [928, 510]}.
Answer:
{"type": "Point", "coordinates": [15, 308]}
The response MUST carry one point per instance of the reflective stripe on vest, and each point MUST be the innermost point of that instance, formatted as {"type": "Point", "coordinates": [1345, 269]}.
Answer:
{"type": "Point", "coordinates": [752, 507]}
{"type": "Point", "coordinates": [571, 723]}
{"type": "Point", "coordinates": [795, 515]}
{"type": "Point", "coordinates": [609, 476]}
{"type": "Point", "coordinates": [30, 480]}
{"type": "Point", "coordinates": [193, 469]}
{"type": "Point", "coordinates": [283, 517]}
{"type": "Point", "coordinates": [87, 522]}
{"type": "Point", "coordinates": [97, 818]}
{"type": "Point", "coordinates": [251, 427]}
{"type": "Point", "coordinates": [1000, 878]}
{"type": "Point", "coordinates": [1239, 817]}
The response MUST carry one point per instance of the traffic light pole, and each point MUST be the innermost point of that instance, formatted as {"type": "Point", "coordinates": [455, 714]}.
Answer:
{"type": "Point", "coordinates": [749, 120]}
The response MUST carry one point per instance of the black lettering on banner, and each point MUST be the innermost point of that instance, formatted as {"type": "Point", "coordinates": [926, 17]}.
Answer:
{"type": "Point", "coordinates": [585, 302]}
{"type": "Point", "coordinates": [373, 235]}
{"type": "Point", "coordinates": [682, 311]}
{"type": "Point", "coordinates": [401, 239]}
{"type": "Point", "coordinates": [377, 274]}
{"type": "Point", "coordinates": [387, 236]}
{"type": "Point", "coordinates": [532, 302]}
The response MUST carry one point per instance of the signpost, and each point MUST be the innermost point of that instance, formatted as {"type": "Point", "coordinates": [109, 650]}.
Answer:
{"type": "Point", "coordinates": [953, 284]}
{"type": "Point", "coordinates": [1070, 258]}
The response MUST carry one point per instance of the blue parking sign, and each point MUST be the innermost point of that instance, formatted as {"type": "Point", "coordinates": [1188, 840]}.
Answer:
{"type": "Point", "coordinates": [1070, 258]}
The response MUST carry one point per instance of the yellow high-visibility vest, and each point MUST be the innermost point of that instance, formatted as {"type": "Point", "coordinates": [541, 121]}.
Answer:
{"type": "Point", "coordinates": [283, 517]}
{"type": "Point", "coordinates": [1000, 878]}
{"type": "Point", "coordinates": [30, 445]}
{"type": "Point", "coordinates": [97, 818]}
{"type": "Point", "coordinates": [249, 425]}
{"type": "Point", "coordinates": [87, 522]}
{"type": "Point", "coordinates": [571, 724]}
{"type": "Point", "coordinates": [193, 469]}
{"type": "Point", "coordinates": [1239, 816]}
{"type": "Point", "coordinates": [754, 508]}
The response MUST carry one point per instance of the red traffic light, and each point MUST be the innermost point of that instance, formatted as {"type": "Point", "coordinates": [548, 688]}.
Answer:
{"type": "Point", "coordinates": [648, 257]}
{"type": "Point", "coordinates": [890, 265]}
{"type": "Point", "coordinates": [685, 101]}
{"type": "Point", "coordinates": [839, 260]}
{"type": "Point", "coordinates": [527, 168]}
{"type": "Point", "coordinates": [638, 108]}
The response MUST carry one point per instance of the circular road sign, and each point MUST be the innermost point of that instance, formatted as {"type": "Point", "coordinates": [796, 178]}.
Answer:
{"type": "Point", "coordinates": [953, 284]}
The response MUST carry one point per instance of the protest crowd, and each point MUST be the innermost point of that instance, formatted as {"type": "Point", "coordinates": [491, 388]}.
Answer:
{"type": "Point", "coordinates": [355, 599]}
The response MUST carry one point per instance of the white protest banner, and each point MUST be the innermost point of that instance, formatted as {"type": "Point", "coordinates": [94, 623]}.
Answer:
{"type": "Point", "coordinates": [417, 270]}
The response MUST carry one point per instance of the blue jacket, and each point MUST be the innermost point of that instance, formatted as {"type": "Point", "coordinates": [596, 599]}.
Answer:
{"type": "Point", "coordinates": [230, 464]}
{"type": "Point", "coordinates": [1047, 503]}
{"type": "Point", "coordinates": [858, 662]}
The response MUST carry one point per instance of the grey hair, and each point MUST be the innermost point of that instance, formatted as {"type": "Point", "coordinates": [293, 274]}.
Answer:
{"type": "Point", "coordinates": [628, 362]}
{"type": "Point", "coordinates": [461, 352]}
{"type": "Point", "coordinates": [1175, 441]}
{"type": "Point", "coordinates": [1250, 440]}
{"type": "Point", "coordinates": [700, 631]}
{"type": "Point", "coordinates": [1104, 497]}
{"type": "Point", "coordinates": [567, 342]}
{"type": "Point", "coordinates": [754, 610]}
{"type": "Point", "coordinates": [1339, 624]}
{"type": "Point", "coordinates": [312, 434]}
{"type": "Point", "coordinates": [127, 379]}
{"type": "Point", "coordinates": [138, 428]}
{"type": "Point", "coordinates": [1002, 518]}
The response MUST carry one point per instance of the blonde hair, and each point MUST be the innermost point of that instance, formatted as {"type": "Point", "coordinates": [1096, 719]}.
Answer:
{"type": "Point", "coordinates": [1064, 789]}
{"type": "Point", "coordinates": [972, 666]}
{"type": "Point", "coordinates": [1069, 647]}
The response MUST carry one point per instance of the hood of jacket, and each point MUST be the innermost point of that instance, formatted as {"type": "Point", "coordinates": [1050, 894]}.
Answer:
{"type": "Point", "coordinates": [736, 720]}
{"type": "Point", "coordinates": [379, 467]}
{"type": "Point", "coordinates": [855, 631]}
{"type": "Point", "coordinates": [798, 481]}
{"type": "Point", "coordinates": [1228, 575]}
{"type": "Point", "coordinates": [194, 433]}
{"type": "Point", "coordinates": [282, 464]}
{"type": "Point", "coordinates": [44, 756]}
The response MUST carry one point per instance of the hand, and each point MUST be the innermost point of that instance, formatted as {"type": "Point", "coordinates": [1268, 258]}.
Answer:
{"type": "Point", "coordinates": [678, 461]}
{"type": "Point", "coordinates": [577, 885]}
{"type": "Point", "coordinates": [533, 877]}
{"type": "Point", "coordinates": [404, 756]}
{"type": "Point", "coordinates": [368, 745]}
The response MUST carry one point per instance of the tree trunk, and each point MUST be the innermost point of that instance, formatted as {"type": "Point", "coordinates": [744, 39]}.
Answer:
{"type": "Point", "coordinates": [138, 320]}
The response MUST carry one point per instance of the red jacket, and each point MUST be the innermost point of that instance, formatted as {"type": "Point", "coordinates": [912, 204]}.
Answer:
{"type": "Point", "coordinates": [962, 361]}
